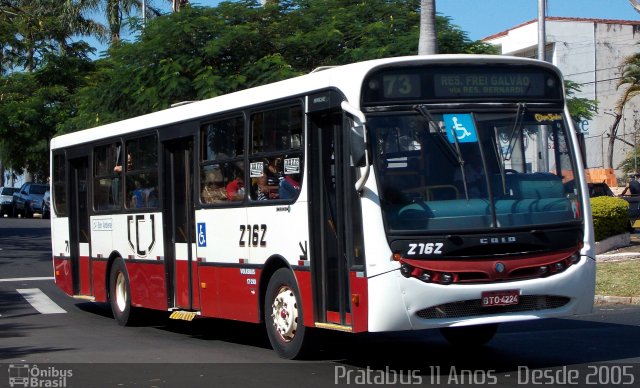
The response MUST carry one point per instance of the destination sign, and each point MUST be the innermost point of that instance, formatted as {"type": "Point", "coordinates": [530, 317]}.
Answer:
{"type": "Point", "coordinates": [482, 85]}
{"type": "Point", "coordinates": [500, 82]}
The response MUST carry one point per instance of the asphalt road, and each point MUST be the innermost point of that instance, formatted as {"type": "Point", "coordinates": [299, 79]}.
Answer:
{"type": "Point", "coordinates": [80, 345]}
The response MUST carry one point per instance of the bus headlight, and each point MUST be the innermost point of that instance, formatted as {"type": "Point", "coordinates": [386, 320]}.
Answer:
{"type": "Point", "coordinates": [425, 277]}
{"type": "Point", "coordinates": [405, 270]}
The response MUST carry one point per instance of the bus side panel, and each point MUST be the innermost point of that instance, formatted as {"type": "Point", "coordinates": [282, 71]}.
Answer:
{"type": "Point", "coordinates": [99, 270]}
{"type": "Point", "coordinates": [60, 250]}
{"type": "Point", "coordinates": [359, 302]}
{"type": "Point", "coordinates": [195, 285]}
{"type": "Point", "coordinates": [182, 282]}
{"type": "Point", "coordinates": [85, 269]}
{"type": "Point", "coordinates": [306, 295]}
{"type": "Point", "coordinates": [62, 270]}
{"type": "Point", "coordinates": [147, 282]}
{"type": "Point", "coordinates": [182, 274]}
{"type": "Point", "coordinates": [228, 293]}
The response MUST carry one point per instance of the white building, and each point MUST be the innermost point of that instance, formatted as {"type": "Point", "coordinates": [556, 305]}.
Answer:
{"type": "Point", "coordinates": [589, 52]}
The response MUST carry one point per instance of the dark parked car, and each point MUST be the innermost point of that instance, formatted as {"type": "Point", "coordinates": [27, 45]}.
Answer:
{"type": "Point", "coordinates": [600, 190]}
{"type": "Point", "coordinates": [28, 199]}
{"type": "Point", "coordinates": [597, 189]}
{"type": "Point", "coordinates": [6, 200]}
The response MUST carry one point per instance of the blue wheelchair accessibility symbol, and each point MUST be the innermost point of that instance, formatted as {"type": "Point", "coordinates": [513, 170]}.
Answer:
{"type": "Point", "coordinates": [461, 126]}
{"type": "Point", "coordinates": [202, 234]}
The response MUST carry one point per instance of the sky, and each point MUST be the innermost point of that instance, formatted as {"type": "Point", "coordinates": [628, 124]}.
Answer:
{"type": "Point", "coordinates": [482, 18]}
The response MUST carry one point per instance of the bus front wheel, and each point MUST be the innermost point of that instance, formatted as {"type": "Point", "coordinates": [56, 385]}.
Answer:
{"type": "Point", "coordinates": [120, 293]}
{"type": "Point", "coordinates": [283, 315]}
{"type": "Point", "coordinates": [469, 335]}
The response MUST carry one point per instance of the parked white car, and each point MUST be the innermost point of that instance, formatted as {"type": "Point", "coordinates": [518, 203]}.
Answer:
{"type": "Point", "coordinates": [6, 200]}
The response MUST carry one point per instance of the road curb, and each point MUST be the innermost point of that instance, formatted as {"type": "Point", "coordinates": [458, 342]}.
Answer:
{"type": "Point", "coordinates": [607, 299]}
{"type": "Point", "coordinates": [613, 242]}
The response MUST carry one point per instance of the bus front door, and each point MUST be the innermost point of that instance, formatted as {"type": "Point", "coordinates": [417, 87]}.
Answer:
{"type": "Point", "coordinates": [79, 233]}
{"type": "Point", "coordinates": [178, 220]}
{"type": "Point", "coordinates": [328, 221]}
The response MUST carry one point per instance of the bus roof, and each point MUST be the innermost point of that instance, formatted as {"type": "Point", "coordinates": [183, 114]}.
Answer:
{"type": "Point", "coordinates": [347, 78]}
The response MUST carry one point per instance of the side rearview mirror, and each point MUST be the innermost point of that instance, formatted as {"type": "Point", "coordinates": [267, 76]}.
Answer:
{"type": "Point", "coordinates": [358, 143]}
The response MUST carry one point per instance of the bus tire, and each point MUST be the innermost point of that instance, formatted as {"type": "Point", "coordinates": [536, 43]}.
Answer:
{"type": "Point", "coordinates": [469, 336]}
{"type": "Point", "coordinates": [120, 293]}
{"type": "Point", "coordinates": [283, 315]}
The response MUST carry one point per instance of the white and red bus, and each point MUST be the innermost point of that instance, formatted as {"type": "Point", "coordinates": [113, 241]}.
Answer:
{"type": "Point", "coordinates": [395, 194]}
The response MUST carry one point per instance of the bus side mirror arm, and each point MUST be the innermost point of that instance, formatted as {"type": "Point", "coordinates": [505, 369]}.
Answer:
{"type": "Point", "coordinates": [358, 144]}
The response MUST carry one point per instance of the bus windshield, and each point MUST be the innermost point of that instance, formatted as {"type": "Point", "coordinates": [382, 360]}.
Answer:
{"type": "Point", "coordinates": [463, 170]}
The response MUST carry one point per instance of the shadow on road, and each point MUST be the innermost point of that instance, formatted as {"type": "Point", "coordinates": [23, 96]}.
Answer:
{"type": "Point", "coordinates": [536, 344]}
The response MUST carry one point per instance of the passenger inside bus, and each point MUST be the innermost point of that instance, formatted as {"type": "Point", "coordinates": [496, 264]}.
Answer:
{"type": "Point", "coordinates": [289, 187]}
{"type": "Point", "coordinates": [213, 191]}
{"type": "Point", "coordinates": [235, 188]}
{"type": "Point", "coordinates": [259, 188]}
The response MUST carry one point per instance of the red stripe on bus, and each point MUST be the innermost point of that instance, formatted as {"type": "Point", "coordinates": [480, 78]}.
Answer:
{"type": "Point", "coordinates": [147, 283]}
{"type": "Point", "coordinates": [100, 279]}
{"type": "Point", "coordinates": [85, 275]}
{"type": "Point", "coordinates": [62, 270]}
{"type": "Point", "coordinates": [226, 293]}
{"type": "Point", "coordinates": [359, 302]}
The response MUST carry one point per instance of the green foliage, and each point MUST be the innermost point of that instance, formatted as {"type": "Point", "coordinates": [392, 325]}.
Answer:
{"type": "Point", "coordinates": [579, 108]}
{"type": "Point", "coordinates": [631, 163]}
{"type": "Point", "coordinates": [32, 106]}
{"type": "Point", "coordinates": [610, 216]}
{"type": "Point", "coordinates": [199, 53]}
{"type": "Point", "coordinates": [194, 54]}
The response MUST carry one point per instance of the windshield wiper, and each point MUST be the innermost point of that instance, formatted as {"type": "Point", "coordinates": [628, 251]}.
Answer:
{"type": "Point", "coordinates": [517, 128]}
{"type": "Point", "coordinates": [513, 137]}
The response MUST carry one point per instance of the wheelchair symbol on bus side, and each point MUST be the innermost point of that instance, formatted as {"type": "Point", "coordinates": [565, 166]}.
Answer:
{"type": "Point", "coordinates": [202, 234]}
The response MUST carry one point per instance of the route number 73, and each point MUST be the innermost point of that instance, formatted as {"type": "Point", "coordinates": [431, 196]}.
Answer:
{"type": "Point", "coordinates": [253, 235]}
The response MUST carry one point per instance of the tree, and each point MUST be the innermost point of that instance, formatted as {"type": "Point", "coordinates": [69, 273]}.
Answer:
{"type": "Point", "coordinates": [631, 80]}
{"type": "Point", "coordinates": [580, 108]}
{"type": "Point", "coordinates": [33, 106]}
{"type": "Point", "coordinates": [31, 29]}
{"type": "Point", "coordinates": [428, 43]}
{"type": "Point", "coordinates": [35, 37]}
{"type": "Point", "coordinates": [199, 52]}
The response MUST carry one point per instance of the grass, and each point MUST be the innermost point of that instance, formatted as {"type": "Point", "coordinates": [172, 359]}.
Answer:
{"type": "Point", "coordinates": [618, 278]}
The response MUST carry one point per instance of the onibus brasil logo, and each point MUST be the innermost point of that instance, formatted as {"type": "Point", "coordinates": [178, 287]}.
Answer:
{"type": "Point", "coordinates": [25, 375]}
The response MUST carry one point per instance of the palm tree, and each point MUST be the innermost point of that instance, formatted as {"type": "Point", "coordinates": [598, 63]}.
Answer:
{"type": "Point", "coordinates": [630, 77]}
{"type": "Point", "coordinates": [176, 4]}
{"type": "Point", "coordinates": [41, 26]}
{"type": "Point", "coordinates": [428, 42]}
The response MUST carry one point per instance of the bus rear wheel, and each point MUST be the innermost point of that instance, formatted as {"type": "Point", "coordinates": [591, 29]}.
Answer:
{"type": "Point", "coordinates": [469, 336]}
{"type": "Point", "coordinates": [283, 315]}
{"type": "Point", "coordinates": [120, 294]}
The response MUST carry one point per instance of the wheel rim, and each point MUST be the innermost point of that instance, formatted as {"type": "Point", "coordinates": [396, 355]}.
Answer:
{"type": "Point", "coordinates": [285, 313]}
{"type": "Point", "coordinates": [121, 291]}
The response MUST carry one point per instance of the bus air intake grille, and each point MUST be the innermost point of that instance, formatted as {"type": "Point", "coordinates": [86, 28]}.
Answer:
{"type": "Point", "coordinates": [470, 308]}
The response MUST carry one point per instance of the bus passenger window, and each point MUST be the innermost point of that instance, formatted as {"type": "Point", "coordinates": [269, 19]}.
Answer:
{"type": "Point", "coordinates": [107, 183]}
{"type": "Point", "coordinates": [59, 194]}
{"type": "Point", "coordinates": [276, 154]}
{"type": "Point", "coordinates": [142, 173]}
{"type": "Point", "coordinates": [222, 161]}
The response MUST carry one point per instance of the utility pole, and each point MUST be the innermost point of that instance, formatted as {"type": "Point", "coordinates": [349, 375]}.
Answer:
{"type": "Point", "coordinates": [541, 29]}
{"type": "Point", "coordinates": [144, 13]}
{"type": "Point", "coordinates": [428, 39]}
